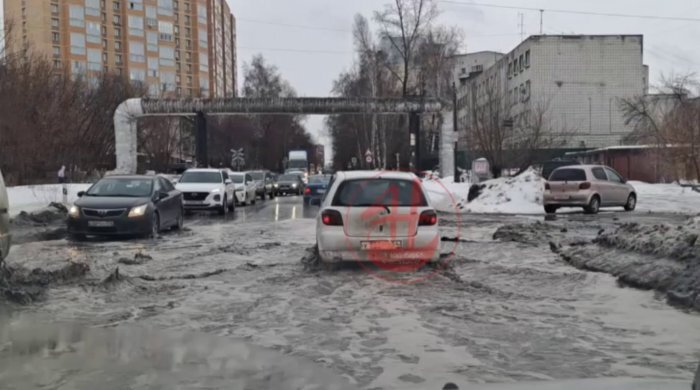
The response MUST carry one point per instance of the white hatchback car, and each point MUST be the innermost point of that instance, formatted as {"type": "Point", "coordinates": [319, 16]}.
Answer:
{"type": "Point", "coordinates": [245, 187]}
{"type": "Point", "coordinates": [377, 216]}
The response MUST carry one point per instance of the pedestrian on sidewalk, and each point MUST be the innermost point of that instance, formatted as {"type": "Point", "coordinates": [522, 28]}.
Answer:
{"type": "Point", "coordinates": [62, 174]}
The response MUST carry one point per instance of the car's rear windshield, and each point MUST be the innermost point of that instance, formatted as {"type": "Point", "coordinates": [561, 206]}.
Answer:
{"type": "Point", "coordinates": [289, 178]}
{"type": "Point", "coordinates": [568, 174]}
{"type": "Point", "coordinates": [201, 177]}
{"type": "Point", "coordinates": [319, 179]}
{"type": "Point", "coordinates": [238, 179]}
{"type": "Point", "coordinates": [380, 192]}
{"type": "Point", "coordinates": [256, 175]}
{"type": "Point", "coordinates": [136, 188]}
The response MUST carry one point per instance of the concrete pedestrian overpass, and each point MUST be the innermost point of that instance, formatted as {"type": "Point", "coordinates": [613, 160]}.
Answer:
{"type": "Point", "coordinates": [127, 114]}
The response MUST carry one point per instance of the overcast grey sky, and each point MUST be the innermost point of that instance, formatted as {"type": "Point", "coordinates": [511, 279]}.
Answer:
{"type": "Point", "coordinates": [312, 57]}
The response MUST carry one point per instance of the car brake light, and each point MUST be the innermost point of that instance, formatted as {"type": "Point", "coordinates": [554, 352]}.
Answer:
{"type": "Point", "coordinates": [584, 186]}
{"type": "Point", "coordinates": [546, 186]}
{"type": "Point", "coordinates": [331, 218]}
{"type": "Point", "coordinates": [307, 191]}
{"type": "Point", "coordinates": [427, 218]}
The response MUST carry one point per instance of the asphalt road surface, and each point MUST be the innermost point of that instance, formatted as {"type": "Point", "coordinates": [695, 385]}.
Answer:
{"type": "Point", "coordinates": [502, 311]}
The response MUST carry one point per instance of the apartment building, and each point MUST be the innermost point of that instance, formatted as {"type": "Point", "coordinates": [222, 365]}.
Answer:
{"type": "Point", "coordinates": [176, 47]}
{"type": "Point", "coordinates": [576, 80]}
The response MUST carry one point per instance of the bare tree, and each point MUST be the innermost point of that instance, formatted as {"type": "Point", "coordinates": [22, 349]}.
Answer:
{"type": "Point", "coordinates": [508, 133]}
{"type": "Point", "coordinates": [403, 23]}
{"type": "Point", "coordinates": [670, 120]}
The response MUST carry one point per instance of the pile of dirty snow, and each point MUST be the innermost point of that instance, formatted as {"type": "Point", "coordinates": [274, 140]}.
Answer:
{"type": "Point", "coordinates": [446, 195]}
{"type": "Point", "coordinates": [670, 198]}
{"type": "Point", "coordinates": [35, 197]}
{"type": "Point", "coordinates": [662, 257]}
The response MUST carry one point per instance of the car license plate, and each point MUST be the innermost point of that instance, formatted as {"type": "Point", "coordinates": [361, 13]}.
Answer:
{"type": "Point", "coordinates": [101, 223]}
{"type": "Point", "coordinates": [194, 202]}
{"type": "Point", "coordinates": [380, 245]}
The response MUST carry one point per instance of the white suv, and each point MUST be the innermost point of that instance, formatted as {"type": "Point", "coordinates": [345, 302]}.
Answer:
{"type": "Point", "coordinates": [207, 189]}
{"type": "Point", "coordinates": [379, 217]}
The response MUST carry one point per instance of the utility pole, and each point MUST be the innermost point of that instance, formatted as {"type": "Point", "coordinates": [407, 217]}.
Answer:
{"type": "Point", "coordinates": [541, 17]}
{"type": "Point", "coordinates": [522, 26]}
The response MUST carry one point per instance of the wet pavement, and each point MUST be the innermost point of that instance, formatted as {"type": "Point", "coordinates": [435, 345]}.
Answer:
{"type": "Point", "coordinates": [504, 310]}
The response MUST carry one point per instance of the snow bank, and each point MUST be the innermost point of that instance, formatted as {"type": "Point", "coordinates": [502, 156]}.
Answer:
{"type": "Point", "coordinates": [31, 198]}
{"type": "Point", "coordinates": [523, 195]}
{"type": "Point", "coordinates": [515, 195]}
{"type": "Point", "coordinates": [666, 198]}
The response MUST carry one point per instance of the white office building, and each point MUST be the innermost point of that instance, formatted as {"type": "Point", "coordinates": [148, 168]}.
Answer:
{"type": "Point", "coordinates": [577, 79]}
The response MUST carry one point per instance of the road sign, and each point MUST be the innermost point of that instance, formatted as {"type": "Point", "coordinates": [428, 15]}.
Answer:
{"type": "Point", "coordinates": [237, 158]}
{"type": "Point", "coordinates": [368, 159]}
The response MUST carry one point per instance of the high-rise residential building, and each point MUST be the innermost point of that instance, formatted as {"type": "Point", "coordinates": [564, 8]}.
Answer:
{"type": "Point", "coordinates": [177, 47]}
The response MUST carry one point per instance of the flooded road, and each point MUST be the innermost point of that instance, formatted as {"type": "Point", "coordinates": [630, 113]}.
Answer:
{"type": "Point", "coordinates": [505, 310]}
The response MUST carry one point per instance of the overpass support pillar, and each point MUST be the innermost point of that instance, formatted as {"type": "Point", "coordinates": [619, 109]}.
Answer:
{"type": "Point", "coordinates": [201, 140]}
{"type": "Point", "coordinates": [414, 131]}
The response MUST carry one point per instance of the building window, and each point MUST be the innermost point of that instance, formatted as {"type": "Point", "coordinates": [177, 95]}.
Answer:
{"type": "Point", "coordinates": [55, 37]}
{"type": "Point", "coordinates": [54, 8]}
{"type": "Point", "coordinates": [167, 81]}
{"type": "Point", "coordinates": [189, 66]}
{"type": "Point", "coordinates": [188, 32]}
{"type": "Point", "coordinates": [56, 64]}
{"type": "Point", "coordinates": [94, 57]}
{"type": "Point", "coordinates": [118, 59]}
{"type": "Point", "coordinates": [166, 31]}
{"type": "Point", "coordinates": [104, 43]}
{"type": "Point", "coordinates": [203, 39]}
{"type": "Point", "coordinates": [115, 6]}
{"type": "Point", "coordinates": [116, 19]}
{"type": "Point", "coordinates": [167, 56]}
{"type": "Point", "coordinates": [188, 56]}
{"type": "Point", "coordinates": [136, 5]}
{"type": "Point", "coordinates": [56, 51]}
{"type": "Point", "coordinates": [526, 91]}
{"type": "Point", "coordinates": [77, 43]}
{"type": "Point", "coordinates": [188, 20]}
{"type": "Point", "coordinates": [92, 7]}
{"type": "Point", "coordinates": [527, 59]}
{"type": "Point", "coordinates": [135, 25]}
{"type": "Point", "coordinates": [54, 23]}
{"type": "Point", "coordinates": [78, 68]}
{"type": "Point", "coordinates": [77, 15]}
{"type": "Point", "coordinates": [203, 62]}
{"type": "Point", "coordinates": [137, 75]}
{"type": "Point", "coordinates": [152, 66]}
{"type": "Point", "coordinates": [187, 7]}
{"type": "Point", "coordinates": [104, 57]}
{"type": "Point", "coordinates": [152, 40]}
{"type": "Point", "coordinates": [94, 32]}
{"type": "Point", "coordinates": [521, 63]}
{"type": "Point", "coordinates": [510, 70]}
{"type": "Point", "coordinates": [136, 53]}
{"type": "Point", "coordinates": [204, 86]}
{"type": "Point", "coordinates": [117, 45]}
{"type": "Point", "coordinates": [153, 90]}
{"type": "Point", "coordinates": [151, 17]}
{"type": "Point", "coordinates": [165, 7]}
{"type": "Point", "coordinates": [202, 13]}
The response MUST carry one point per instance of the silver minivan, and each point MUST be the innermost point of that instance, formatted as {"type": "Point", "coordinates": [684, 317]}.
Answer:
{"type": "Point", "coordinates": [4, 220]}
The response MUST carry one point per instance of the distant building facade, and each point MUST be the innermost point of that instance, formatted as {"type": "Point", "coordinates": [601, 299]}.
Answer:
{"type": "Point", "coordinates": [177, 47]}
{"type": "Point", "coordinates": [576, 79]}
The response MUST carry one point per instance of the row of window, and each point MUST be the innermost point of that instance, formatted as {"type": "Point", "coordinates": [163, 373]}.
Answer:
{"type": "Point", "coordinates": [521, 93]}
{"type": "Point", "coordinates": [519, 64]}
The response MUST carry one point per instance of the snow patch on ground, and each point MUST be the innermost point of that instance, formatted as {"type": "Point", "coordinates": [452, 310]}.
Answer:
{"type": "Point", "coordinates": [523, 195]}
{"type": "Point", "coordinates": [31, 198]}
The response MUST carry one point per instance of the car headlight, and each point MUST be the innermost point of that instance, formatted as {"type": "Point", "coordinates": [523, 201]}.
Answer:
{"type": "Point", "coordinates": [215, 191]}
{"type": "Point", "coordinates": [74, 212]}
{"type": "Point", "coordinates": [138, 211]}
{"type": "Point", "coordinates": [294, 185]}
{"type": "Point", "coordinates": [276, 185]}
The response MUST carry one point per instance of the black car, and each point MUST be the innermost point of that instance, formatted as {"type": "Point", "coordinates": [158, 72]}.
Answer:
{"type": "Point", "coordinates": [290, 183]}
{"type": "Point", "coordinates": [126, 205]}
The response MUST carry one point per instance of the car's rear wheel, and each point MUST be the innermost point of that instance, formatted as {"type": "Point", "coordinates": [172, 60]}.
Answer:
{"type": "Point", "coordinates": [550, 209]}
{"type": "Point", "coordinates": [631, 202]}
{"type": "Point", "coordinates": [180, 220]}
{"type": "Point", "coordinates": [77, 237]}
{"type": "Point", "coordinates": [593, 206]}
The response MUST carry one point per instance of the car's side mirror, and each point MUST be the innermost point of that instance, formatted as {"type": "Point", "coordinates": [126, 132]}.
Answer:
{"type": "Point", "coordinates": [81, 194]}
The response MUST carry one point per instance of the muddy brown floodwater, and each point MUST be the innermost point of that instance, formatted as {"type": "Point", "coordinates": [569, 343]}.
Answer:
{"type": "Point", "coordinates": [504, 310]}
